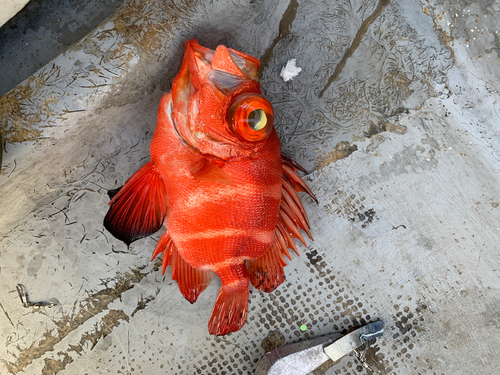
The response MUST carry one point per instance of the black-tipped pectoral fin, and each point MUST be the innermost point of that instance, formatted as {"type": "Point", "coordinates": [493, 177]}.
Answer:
{"type": "Point", "coordinates": [139, 208]}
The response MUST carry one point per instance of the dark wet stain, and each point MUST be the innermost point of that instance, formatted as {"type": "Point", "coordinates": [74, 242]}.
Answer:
{"type": "Point", "coordinates": [374, 359]}
{"type": "Point", "coordinates": [426, 242]}
{"type": "Point", "coordinates": [142, 303]}
{"type": "Point", "coordinates": [273, 340]}
{"type": "Point", "coordinates": [407, 325]}
{"type": "Point", "coordinates": [351, 208]}
{"type": "Point", "coordinates": [317, 262]}
{"type": "Point", "coordinates": [313, 257]}
{"type": "Point", "coordinates": [284, 29]}
{"type": "Point", "coordinates": [87, 309]}
{"type": "Point", "coordinates": [399, 226]}
{"type": "Point", "coordinates": [491, 313]}
{"type": "Point", "coordinates": [341, 150]}
{"type": "Point", "coordinates": [367, 217]}
{"type": "Point", "coordinates": [53, 366]}
{"type": "Point", "coordinates": [355, 44]}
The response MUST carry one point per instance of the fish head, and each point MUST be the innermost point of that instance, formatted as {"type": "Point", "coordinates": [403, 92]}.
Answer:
{"type": "Point", "coordinates": [218, 108]}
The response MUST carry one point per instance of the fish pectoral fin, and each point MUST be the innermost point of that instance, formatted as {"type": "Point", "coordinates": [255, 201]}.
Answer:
{"type": "Point", "coordinates": [138, 209]}
{"type": "Point", "coordinates": [191, 281]}
{"type": "Point", "coordinates": [113, 192]}
{"type": "Point", "coordinates": [207, 171]}
{"type": "Point", "coordinates": [230, 310]}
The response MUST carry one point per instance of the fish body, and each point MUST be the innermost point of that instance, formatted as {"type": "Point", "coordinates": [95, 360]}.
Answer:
{"type": "Point", "coordinates": [218, 182]}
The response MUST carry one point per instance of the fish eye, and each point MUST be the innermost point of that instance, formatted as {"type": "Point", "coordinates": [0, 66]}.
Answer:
{"type": "Point", "coordinates": [257, 119]}
{"type": "Point", "coordinates": [251, 117]}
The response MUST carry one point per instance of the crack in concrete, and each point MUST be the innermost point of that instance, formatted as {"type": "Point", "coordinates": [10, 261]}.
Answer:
{"type": "Point", "coordinates": [87, 309]}
{"type": "Point", "coordinates": [284, 29]}
{"type": "Point", "coordinates": [102, 330]}
{"type": "Point", "coordinates": [355, 43]}
{"type": "Point", "coordinates": [7, 315]}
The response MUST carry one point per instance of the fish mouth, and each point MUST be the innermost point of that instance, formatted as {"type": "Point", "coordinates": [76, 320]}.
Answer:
{"type": "Point", "coordinates": [215, 77]}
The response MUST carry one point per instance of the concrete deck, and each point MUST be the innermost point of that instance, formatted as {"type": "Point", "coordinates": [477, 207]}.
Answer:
{"type": "Point", "coordinates": [396, 114]}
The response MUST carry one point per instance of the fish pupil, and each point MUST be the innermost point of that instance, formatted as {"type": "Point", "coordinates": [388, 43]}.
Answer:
{"type": "Point", "coordinates": [257, 119]}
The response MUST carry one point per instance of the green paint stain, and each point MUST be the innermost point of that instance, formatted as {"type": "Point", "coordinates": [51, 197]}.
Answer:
{"type": "Point", "coordinates": [303, 327]}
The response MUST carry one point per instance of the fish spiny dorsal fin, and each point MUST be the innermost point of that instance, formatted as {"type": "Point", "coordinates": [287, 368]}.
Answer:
{"type": "Point", "coordinates": [223, 61]}
{"type": "Point", "coordinates": [266, 272]}
{"type": "Point", "coordinates": [292, 214]}
{"type": "Point", "coordinates": [191, 281]}
{"type": "Point", "coordinates": [289, 167]}
{"type": "Point", "coordinates": [138, 208]}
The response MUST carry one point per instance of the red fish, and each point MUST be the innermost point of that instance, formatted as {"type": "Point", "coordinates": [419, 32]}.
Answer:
{"type": "Point", "coordinates": [218, 182]}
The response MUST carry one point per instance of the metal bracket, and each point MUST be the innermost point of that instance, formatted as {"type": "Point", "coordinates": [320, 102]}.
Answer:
{"type": "Point", "coordinates": [23, 296]}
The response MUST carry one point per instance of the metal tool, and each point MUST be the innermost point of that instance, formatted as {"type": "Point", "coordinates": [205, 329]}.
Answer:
{"type": "Point", "coordinates": [23, 296]}
{"type": "Point", "coordinates": [304, 357]}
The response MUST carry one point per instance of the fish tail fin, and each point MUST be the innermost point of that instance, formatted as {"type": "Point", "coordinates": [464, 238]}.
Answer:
{"type": "Point", "coordinates": [191, 281]}
{"type": "Point", "coordinates": [138, 209]}
{"type": "Point", "coordinates": [230, 310]}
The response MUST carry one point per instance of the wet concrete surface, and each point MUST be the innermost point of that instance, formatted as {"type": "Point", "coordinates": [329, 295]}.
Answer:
{"type": "Point", "coordinates": [395, 113]}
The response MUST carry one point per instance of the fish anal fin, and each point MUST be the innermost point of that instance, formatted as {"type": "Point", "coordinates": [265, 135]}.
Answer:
{"type": "Point", "coordinates": [230, 309]}
{"type": "Point", "coordinates": [191, 281]}
{"type": "Point", "coordinates": [207, 171]}
{"type": "Point", "coordinates": [138, 208]}
{"type": "Point", "coordinates": [266, 273]}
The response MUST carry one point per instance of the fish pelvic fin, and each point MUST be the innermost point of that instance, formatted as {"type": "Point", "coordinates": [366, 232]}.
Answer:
{"type": "Point", "coordinates": [191, 281]}
{"type": "Point", "coordinates": [230, 309]}
{"type": "Point", "coordinates": [266, 272]}
{"type": "Point", "coordinates": [139, 208]}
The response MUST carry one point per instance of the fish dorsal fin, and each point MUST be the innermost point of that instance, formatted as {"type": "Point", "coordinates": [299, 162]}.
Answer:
{"type": "Point", "coordinates": [207, 171]}
{"type": "Point", "coordinates": [266, 273]}
{"type": "Point", "coordinates": [138, 208]}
